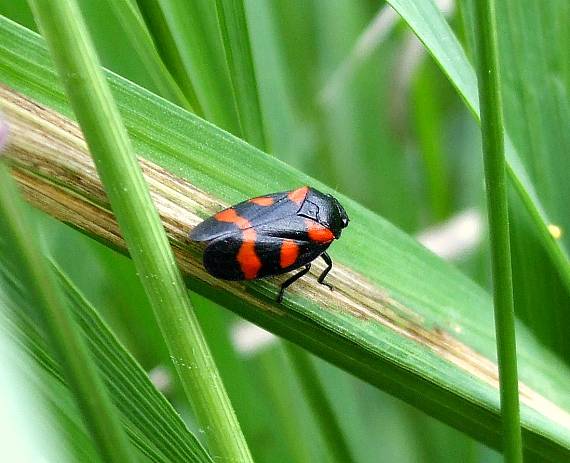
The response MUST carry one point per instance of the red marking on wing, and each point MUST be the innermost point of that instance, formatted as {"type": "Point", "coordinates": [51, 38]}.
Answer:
{"type": "Point", "coordinates": [230, 215]}
{"type": "Point", "coordinates": [289, 253]}
{"type": "Point", "coordinates": [247, 258]}
{"type": "Point", "coordinates": [298, 195]}
{"type": "Point", "coordinates": [262, 201]}
{"type": "Point", "coordinates": [318, 233]}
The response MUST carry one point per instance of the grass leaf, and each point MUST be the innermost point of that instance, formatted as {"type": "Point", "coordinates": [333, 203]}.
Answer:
{"type": "Point", "coordinates": [116, 163]}
{"type": "Point", "coordinates": [400, 318]}
{"type": "Point", "coordinates": [235, 39]}
{"type": "Point", "coordinates": [131, 20]}
{"type": "Point", "coordinates": [182, 32]}
{"type": "Point", "coordinates": [152, 424]}
{"type": "Point", "coordinates": [492, 131]}
{"type": "Point", "coordinates": [21, 249]}
{"type": "Point", "coordinates": [537, 113]}
{"type": "Point", "coordinates": [431, 28]}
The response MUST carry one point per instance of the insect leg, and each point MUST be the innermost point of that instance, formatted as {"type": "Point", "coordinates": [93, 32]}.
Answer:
{"type": "Point", "coordinates": [326, 271]}
{"type": "Point", "coordinates": [292, 280]}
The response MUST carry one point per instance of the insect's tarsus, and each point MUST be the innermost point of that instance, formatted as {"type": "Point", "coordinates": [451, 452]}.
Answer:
{"type": "Point", "coordinates": [292, 280]}
{"type": "Point", "coordinates": [298, 275]}
{"type": "Point", "coordinates": [326, 271]}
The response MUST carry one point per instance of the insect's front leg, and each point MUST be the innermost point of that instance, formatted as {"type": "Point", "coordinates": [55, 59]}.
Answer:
{"type": "Point", "coordinates": [326, 271]}
{"type": "Point", "coordinates": [292, 280]}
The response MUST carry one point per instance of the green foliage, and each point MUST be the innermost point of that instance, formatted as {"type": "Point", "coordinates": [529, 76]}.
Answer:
{"type": "Point", "coordinates": [152, 424]}
{"type": "Point", "coordinates": [22, 254]}
{"type": "Point", "coordinates": [536, 95]}
{"type": "Point", "coordinates": [493, 141]}
{"type": "Point", "coordinates": [105, 134]}
{"type": "Point", "coordinates": [395, 138]}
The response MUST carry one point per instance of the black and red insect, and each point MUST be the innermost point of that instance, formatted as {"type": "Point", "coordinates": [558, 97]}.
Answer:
{"type": "Point", "coordinates": [272, 234]}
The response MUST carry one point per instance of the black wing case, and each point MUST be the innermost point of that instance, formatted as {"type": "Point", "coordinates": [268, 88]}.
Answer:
{"type": "Point", "coordinates": [250, 213]}
{"type": "Point", "coordinates": [271, 249]}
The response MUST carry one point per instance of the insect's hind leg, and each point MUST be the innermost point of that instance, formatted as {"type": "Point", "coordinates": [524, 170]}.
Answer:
{"type": "Point", "coordinates": [292, 280]}
{"type": "Point", "coordinates": [326, 271]}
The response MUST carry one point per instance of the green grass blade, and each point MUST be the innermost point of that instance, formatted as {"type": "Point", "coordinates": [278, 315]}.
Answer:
{"type": "Point", "coordinates": [154, 427]}
{"type": "Point", "coordinates": [235, 39]}
{"type": "Point", "coordinates": [141, 40]}
{"type": "Point", "coordinates": [28, 430]}
{"type": "Point", "coordinates": [19, 243]}
{"type": "Point", "coordinates": [431, 28]}
{"type": "Point", "coordinates": [370, 38]}
{"type": "Point", "coordinates": [278, 110]}
{"type": "Point", "coordinates": [153, 424]}
{"type": "Point", "coordinates": [413, 325]}
{"type": "Point", "coordinates": [90, 97]}
{"type": "Point", "coordinates": [181, 31]}
{"type": "Point", "coordinates": [495, 179]}
{"type": "Point", "coordinates": [320, 404]}
{"type": "Point", "coordinates": [429, 133]}
{"type": "Point", "coordinates": [537, 114]}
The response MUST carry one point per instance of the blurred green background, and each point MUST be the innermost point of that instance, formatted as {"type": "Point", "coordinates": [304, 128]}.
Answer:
{"type": "Point", "coordinates": [379, 122]}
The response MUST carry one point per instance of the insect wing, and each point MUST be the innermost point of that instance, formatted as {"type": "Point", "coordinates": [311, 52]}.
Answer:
{"type": "Point", "coordinates": [221, 258]}
{"type": "Point", "coordinates": [272, 249]}
{"type": "Point", "coordinates": [244, 215]}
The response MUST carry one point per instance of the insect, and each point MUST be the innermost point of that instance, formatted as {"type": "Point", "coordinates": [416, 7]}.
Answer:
{"type": "Point", "coordinates": [272, 234]}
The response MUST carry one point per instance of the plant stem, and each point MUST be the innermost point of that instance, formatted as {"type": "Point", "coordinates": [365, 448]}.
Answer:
{"type": "Point", "coordinates": [319, 403]}
{"type": "Point", "coordinates": [75, 58]}
{"type": "Point", "coordinates": [21, 243]}
{"type": "Point", "coordinates": [495, 179]}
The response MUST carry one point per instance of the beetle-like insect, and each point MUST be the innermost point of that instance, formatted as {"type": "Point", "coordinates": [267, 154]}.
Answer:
{"type": "Point", "coordinates": [272, 234]}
